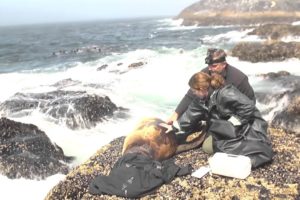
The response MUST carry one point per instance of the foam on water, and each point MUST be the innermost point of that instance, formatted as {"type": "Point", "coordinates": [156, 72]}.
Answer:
{"type": "Point", "coordinates": [232, 37]}
{"type": "Point", "coordinates": [27, 189]}
{"type": "Point", "coordinates": [296, 23]}
{"type": "Point", "coordinates": [290, 65]}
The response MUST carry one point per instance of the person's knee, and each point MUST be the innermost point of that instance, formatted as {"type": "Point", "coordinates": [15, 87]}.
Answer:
{"type": "Point", "coordinates": [207, 146]}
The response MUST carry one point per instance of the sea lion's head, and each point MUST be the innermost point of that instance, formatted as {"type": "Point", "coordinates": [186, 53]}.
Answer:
{"type": "Point", "coordinates": [154, 136]}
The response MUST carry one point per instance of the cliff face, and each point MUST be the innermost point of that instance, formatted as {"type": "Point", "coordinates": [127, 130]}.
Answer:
{"type": "Point", "coordinates": [224, 12]}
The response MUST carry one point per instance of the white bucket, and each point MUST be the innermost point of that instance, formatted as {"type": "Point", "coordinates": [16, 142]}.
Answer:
{"type": "Point", "coordinates": [236, 166]}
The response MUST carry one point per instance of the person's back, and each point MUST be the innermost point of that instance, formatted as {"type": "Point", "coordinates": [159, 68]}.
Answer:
{"type": "Point", "coordinates": [237, 78]}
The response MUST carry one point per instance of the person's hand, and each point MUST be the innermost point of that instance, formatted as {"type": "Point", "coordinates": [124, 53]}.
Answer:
{"type": "Point", "coordinates": [173, 118]}
{"type": "Point", "coordinates": [167, 127]}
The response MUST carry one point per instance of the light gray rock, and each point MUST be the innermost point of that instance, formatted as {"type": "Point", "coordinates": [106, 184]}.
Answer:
{"type": "Point", "coordinates": [227, 12]}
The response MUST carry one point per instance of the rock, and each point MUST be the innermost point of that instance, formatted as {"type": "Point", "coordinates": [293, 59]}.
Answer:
{"type": "Point", "coordinates": [282, 97]}
{"type": "Point", "coordinates": [66, 83]}
{"type": "Point", "coordinates": [75, 109]}
{"type": "Point", "coordinates": [102, 67]}
{"type": "Point", "coordinates": [27, 152]}
{"type": "Point", "coordinates": [135, 65]}
{"type": "Point", "coordinates": [289, 118]}
{"type": "Point", "coordinates": [80, 50]}
{"type": "Point", "coordinates": [228, 12]}
{"type": "Point", "coordinates": [280, 178]}
{"type": "Point", "coordinates": [274, 75]}
{"type": "Point", "coordinates": [260, 52]}
{"type": "Point", "coordinates": [276, 31]}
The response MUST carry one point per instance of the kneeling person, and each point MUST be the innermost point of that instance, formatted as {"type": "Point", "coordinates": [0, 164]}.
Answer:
{"type": "Point", "coordinates": [234, 124]}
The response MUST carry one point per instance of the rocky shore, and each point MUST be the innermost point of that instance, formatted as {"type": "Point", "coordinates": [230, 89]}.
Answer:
{"type": "Point", "coordinates": [278, 180]}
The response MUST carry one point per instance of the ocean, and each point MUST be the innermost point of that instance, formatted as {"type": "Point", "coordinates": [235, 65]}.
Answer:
{"type": "Point", "coordinates": [33, 58]}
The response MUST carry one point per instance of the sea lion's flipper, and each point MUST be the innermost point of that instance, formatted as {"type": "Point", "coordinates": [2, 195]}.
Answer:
{"type": "Point", "coordinates": [194, 140]}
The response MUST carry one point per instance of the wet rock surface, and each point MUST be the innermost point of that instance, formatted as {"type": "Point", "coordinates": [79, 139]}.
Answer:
{"type": "Point", "coordinates": [102, 67]}
{"type": "Point", "coordinates": [276, 31]}
{"type": "Point", "coordinates": [79, 50]}
{"type": "Point", "coordinates": [136, 64]}
{"type": "Point", "coordinates": [289, 118]}
{"type": "Point", "coordinates": [133, 65]}
{"type": "Point", "coordinates": [27, 152]}
{"type": "Point", "coordinates": [75, 109]}
{"type": "Point", "coordinates": [266, 52]}
{"type": "Point", "coordinates": [280, 179]}
{"type": "Point", "coordinates": [282, 98]}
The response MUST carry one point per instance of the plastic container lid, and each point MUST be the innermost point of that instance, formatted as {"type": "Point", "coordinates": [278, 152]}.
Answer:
{"type": "Point", "coordinates": [236, 166]}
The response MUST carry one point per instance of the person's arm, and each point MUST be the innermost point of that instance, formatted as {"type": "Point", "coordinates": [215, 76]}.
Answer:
{"type": "Point", "coordinates": [196, 112]}
{"type": "Point", "coordinates": [246, 89]}
{"type": "Point", "coordinates": [237, 104]}
{"type": "Point", "coordinates": [173, 118]}
{"type": "Point", "coordinates": [181, 107]}
{"type": "Point", "coordinates": [185, 102]}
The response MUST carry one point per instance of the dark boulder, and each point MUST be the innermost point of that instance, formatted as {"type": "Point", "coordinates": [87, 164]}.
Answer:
{"type": "Point", "coordinates": [264, 52]}
{"type": "Point", "coordinates": [76, 109]}
{"type": "Point", "coordinates": [274, 75]}
{"type": "Point", "coordinates": [228, 12]}
{"type": "Point", "coordinates": [27, 152]}
{"type": "Point", "coordinates": [102, 67]}
{"type": "Point", "coordinates": [135, 65]}
{"type": "Point", "coordinates": [276, 31]}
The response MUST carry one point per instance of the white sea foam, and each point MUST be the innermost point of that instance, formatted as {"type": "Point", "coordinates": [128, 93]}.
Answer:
{"type": "Point", "coordinates": [249, 68]}
{"type": "Point", "coordinates": [296, 23]}
{"type": "Point", "coordinates": [170, 22]}
{"type": "Point", "coordinates": [291, 39]}
{"type": "Point", "coordinates": [174, 25]}
{"type": "Point", "coordinates": [232, 37]}
{"type": "Point", "coordinates": [27, 189]}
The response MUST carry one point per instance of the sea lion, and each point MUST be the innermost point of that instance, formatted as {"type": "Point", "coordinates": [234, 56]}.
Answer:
{"type": "Point", "coordinates": [154, 138]}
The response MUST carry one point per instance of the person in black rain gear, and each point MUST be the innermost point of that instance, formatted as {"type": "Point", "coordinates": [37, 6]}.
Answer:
{"type": "Point", "coordinates": [233, 123]}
